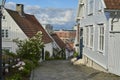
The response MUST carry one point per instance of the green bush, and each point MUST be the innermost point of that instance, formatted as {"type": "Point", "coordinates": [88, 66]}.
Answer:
{"type": "Point", "coordinates": [29, 65]}
{"type": "Point", "coordinates": [16, 76]}
{"type": "Point", "coordinates": [25, 72]}
{"type": "Point", "coordinates": [10, 54]}
{"type": "Point", "coordinates": [47, 55]}
{"type": "Point", "coordinates": [75, 54]}
{"type": "Point", "coordinates": [30, 48]}
{"type": "Point", "coordinates": [60, 55]}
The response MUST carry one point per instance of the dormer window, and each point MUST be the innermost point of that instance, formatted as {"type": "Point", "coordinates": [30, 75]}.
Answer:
{"type": "Point", "coordinates": [90, 7]}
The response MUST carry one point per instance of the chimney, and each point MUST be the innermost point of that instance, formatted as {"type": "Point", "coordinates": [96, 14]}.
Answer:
{"type": "Point", "coordinates": [20, 9]}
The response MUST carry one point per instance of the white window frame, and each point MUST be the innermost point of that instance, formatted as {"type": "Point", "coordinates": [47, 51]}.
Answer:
{"type": "Point", "coordinates": [101, 37]}
{"type": "Point", "coordinates": [90, 7]}
{"type": "Point", "coordinates": [91, 35]}
{"type": "Point", "coordinates": [80, 10]}
{"type": "Point", "coordinates": [87, 36]}
{"type": "Point", "coordinates": [99, 6]}
{"type": "Point", "coordinates": [5, 33]}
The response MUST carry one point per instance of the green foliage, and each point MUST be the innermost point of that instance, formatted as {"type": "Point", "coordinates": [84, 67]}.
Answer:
{"type": "Point", "coordinates": [47, 55]}
{"type": "Point", "coordinates": [29, 65]}
{"type": "Point", "coordinates": [31, 48]}
{"type": "Point", "coordinates": [8, 53]}
{"type": "Point", "coordinates": [16, 76]}
{"type": "Point", "coordinates": [75, 54]}
{"type": "Point", "coordinates": [25, 72]}
{"type": "Point", "coordinates": [60, 55]}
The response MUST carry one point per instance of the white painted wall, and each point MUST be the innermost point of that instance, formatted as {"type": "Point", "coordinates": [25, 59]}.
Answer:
{"type": "Point", "coordinates": [49, 47]}
{"type": "Point", "coordinates": [114, 53]}
{"type": "Point", "coordinates": [98, 17]}
{"type": "Point", "coordinates": [13, 32]}
{"type": "Point", "coordinates": [109, 57]}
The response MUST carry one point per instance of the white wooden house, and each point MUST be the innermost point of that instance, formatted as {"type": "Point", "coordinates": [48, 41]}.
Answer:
{"type": "Point", "coordinates": [17, 24]}
{"type": "Point", "coordinates": [100, 20]}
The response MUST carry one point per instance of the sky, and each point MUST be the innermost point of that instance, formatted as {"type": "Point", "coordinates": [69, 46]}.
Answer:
{"type": "Point", "coordinates": [59, 13]}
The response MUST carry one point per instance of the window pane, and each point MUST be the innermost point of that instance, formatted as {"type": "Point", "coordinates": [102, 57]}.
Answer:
{"type": "Point", "coordinates": [101, 37]}
{"type": "Point", "coordinates": [90, 6]}
{"type": "Point", "coordinates": [2, 33]}
{"type": "Point", "coordinates": [6, 33]}
{"type": "Point", "coordinates": [87, 35]}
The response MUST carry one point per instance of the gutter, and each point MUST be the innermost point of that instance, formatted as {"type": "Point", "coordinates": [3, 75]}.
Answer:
{"type": "Point", "coordinates": [116, 13]}
{"type": "Point", "coordinates": [115, 16]}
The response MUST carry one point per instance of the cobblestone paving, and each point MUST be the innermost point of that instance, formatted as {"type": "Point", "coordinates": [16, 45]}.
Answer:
{"type": "Point", "coordinates": [64, 70]}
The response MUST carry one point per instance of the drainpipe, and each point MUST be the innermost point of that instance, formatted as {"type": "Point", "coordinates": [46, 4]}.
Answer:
{"type": "Point", "coordinates": [112, 21]}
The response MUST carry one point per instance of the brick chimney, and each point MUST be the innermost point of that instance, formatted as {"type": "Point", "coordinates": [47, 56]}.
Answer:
{"type": "Point", "coordinates": [20, 9]}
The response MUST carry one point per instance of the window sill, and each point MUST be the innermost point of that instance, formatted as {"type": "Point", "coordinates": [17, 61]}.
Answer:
{"type": "Point", "coordinates": [100, 51]}
{"type": "Point", "coordinates": [90, 14]}
{"type": "Point", "coordinates": [91, 48]}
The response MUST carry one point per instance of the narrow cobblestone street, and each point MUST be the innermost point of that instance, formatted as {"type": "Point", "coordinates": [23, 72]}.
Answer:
{"type": "Point", "coordinates": [64, 70]}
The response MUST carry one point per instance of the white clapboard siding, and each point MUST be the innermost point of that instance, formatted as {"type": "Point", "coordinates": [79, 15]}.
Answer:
{"type": "Point", "coordinates": [114, 53]}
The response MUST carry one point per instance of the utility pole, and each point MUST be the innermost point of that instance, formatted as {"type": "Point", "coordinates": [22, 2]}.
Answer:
{"type": "Point", "coordinates": [2, 2]}
{"type": "Point", "coordinates": [1, 70]}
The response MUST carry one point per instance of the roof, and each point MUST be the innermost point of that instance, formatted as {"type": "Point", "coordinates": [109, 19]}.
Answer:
{"type": "Point", "coordinates": [60, 43]}
{"type": "Point", "coordinates": [112, 4]}
{"type": "Point", "coordinates": [29, 25]}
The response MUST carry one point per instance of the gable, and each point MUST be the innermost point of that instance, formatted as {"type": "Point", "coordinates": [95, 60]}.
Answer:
{"type": "Point", "coordinates": [29, 25]}
{"type": "Point", "coordinates": [59, 42]}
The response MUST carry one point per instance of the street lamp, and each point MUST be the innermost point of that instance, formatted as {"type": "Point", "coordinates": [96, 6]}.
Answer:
{"type": "Point", "coordinates": [2, 2]}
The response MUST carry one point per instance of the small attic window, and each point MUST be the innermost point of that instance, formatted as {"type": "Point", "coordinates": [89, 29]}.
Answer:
{"type": "Point", "coordinates": [3, 17]}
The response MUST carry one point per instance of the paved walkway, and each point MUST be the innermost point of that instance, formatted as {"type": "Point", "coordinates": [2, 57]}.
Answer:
{"type": "Point", "coordinates": [64, 70]}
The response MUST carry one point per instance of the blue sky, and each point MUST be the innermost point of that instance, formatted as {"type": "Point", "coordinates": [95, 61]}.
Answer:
{"type": "Point", "coordinates": [59, 13]}
{"type": "Point", "coordinates": [48, 3]}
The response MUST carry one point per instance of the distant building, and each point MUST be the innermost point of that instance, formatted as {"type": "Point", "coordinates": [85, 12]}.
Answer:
{"type": "Point", "coordinates": [68, 36]}
{"type": "Point", "coordinates": [48, 27]}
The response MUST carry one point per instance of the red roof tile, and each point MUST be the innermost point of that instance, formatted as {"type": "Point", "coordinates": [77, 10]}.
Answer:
{"type": "Point", "coordinates": [112, 4]}
{"type": "Point", "coordinates": [58, 41]}
{"type": "Point", "coordinates": [29, 25]}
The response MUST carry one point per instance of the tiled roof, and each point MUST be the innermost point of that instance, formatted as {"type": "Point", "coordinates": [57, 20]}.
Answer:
{"type": "Point", "coordinates": [60, 43]}
{"type": "Point", "coordinates": [112, 4]}
{"type": "Point", "coordinates": [29, 25]}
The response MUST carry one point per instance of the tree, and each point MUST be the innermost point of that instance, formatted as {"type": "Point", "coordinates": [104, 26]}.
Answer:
{"type": "Point", "coordinates": [30, 48]}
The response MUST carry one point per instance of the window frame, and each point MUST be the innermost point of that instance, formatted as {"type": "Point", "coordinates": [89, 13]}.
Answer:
{"type": "Point", "coordinates": [101, 37]}
{"type": "Point", "coordinates": [99, 6]}
{"type": "Point", "coordinates": [91, 35]}
{"type": "Point", "coordinates": [87, 36]}
{"type": "Point", "coordinates": [90, 7]}
{"type": "Point", "coordinates": [5, 33]}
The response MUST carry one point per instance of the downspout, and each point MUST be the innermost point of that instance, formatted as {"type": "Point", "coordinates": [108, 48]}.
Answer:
{"type": "Point", "coordinates": [112, 21]}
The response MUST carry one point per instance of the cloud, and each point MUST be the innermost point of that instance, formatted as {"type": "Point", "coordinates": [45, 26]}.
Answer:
{"type": "Point", "coordinates": [51, 15]}
{"type": "Point", "coordinates": [10, 5]}
{"type": "Point", "coordinates": [54, 16]}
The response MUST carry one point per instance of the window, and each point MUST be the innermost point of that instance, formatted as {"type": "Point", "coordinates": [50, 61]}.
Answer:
{"type": "Point", "coordinates": [87, 36]}
{"type": "Point", "coordinates": [91, 36]}
{"type": "Point", "coordinates": [101, 37]}
{"type": "Point", "coordinates": [99, 6]}
{"type": "Point", "coordinates": [5, 33]}
{"type": "Point", "coordinates": [2, 33]}
{"type": "Point", "coordinates": [90, 6]}
{"type": "Point", "coordinates": [3, 17]}
{"type": "Point", "coordinates": [81, 10]}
